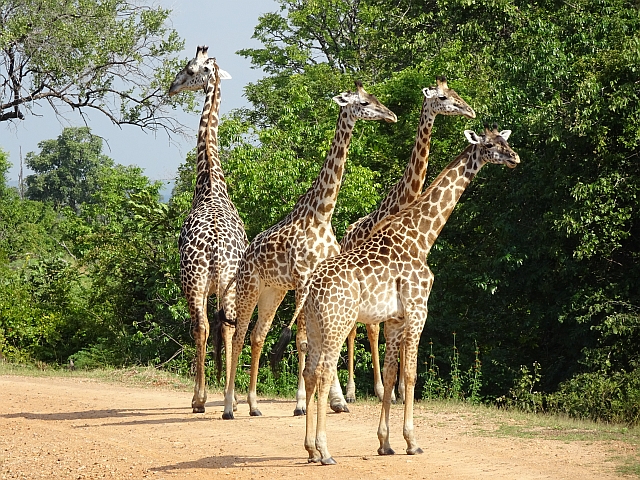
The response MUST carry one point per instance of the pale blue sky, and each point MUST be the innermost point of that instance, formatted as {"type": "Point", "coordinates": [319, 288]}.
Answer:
{"type": "Point", "coordinates": [226, 26]}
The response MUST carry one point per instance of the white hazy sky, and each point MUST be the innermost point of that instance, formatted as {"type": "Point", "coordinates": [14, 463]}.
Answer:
{"type": "Point", "coordinates": [226, 26]}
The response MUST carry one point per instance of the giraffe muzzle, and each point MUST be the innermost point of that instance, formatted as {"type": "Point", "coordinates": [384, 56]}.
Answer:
{"type": "Point", "coordinates": [513, 162]}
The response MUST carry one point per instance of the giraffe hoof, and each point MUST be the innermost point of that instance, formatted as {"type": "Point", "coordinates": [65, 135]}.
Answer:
{"type": "Point", "coordinates": [328, 461]}
{"type": "Point", "coordinates": [340, 408]}
{"type": "Point", "coordinates": [350, 399]}
{"type": "Point", "coordinates": [386, 451]}
{"type": "Point", "coordinates": [313, 460]}
{"type": "Point", "coordinates": [198, 409]}
{"type": "Point", "coordinates": [414, 451]}
{"type": "Point", "coordinates": [299, 412]}
{"type": "Point", "coordinates": [227, 416]}
{"type": "Point", "coordinates": [255, 413]}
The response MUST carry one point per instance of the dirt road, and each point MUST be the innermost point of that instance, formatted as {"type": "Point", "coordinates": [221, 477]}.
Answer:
{"type": "Point", "coordinates": [73, 428]}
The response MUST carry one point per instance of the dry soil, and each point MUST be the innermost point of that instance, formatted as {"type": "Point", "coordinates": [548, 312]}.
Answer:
{"type": "Point", "coordinates": [75, 428]}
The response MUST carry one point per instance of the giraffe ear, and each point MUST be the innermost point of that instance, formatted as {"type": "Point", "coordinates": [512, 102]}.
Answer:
{"type": "Point", "coordinates": [341, 99]}
{"type": "Point", "coordinates": [430, 92]}
{"type": "Point", "coordinates": [472, 137]}
{"type": "Point", "coordinates": [223, 74]}
{"type": "Point", "coordinates": [505, 134]}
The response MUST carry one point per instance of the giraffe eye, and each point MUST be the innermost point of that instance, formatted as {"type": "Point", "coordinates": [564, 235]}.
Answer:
{"type": "Point", "coordinates": [364, 104]}
{"type": "Point", "coordinates": [442, 97]}
{"type": "Point", "coordinates": [489, 145]}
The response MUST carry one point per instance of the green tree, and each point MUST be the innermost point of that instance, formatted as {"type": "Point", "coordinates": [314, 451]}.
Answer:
{"type": "Point", "coordinates": [111, 56]}
{"type": "Point", "coordinates": [98, 282]}
{"type": "Point", "coordinates": [66, 169]}
{"type": "Point", "coordinates": [42, 303]}
{"type": "Point", "coordinates": [554, 272]}
{"type": "Point", "coordinates": [365, 38]}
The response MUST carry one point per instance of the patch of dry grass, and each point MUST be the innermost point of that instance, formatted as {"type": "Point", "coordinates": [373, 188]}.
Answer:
{"type": "Point", "coordinates": [133, 376]}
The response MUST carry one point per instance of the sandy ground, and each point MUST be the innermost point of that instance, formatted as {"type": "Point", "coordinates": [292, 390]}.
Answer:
{"type": "Point", "coordinates": [71, 428]}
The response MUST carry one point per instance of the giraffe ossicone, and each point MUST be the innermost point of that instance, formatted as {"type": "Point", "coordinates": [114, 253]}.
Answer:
{"type": "Point", "coordinates": [386, 279]}
{"type": "Point", "coordinates": [212, 238]}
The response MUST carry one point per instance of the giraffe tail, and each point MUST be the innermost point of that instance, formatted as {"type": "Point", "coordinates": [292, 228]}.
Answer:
{"type": "Point", "coordinates": [285, 335]}
{"type": "Point", "coordinates": [219, 321]}
{"type": "Point", "coordinates": [216, 337]}
{"type": "Point", "coordinates": [278, 350]}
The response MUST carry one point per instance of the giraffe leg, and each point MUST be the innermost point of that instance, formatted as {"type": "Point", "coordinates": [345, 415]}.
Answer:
{"type": "Point", "coordinates": [415, 316]}
{"type": "Point", "coordinates": [247, 289]}
{"type": "Point", "coordinates": [325, 373]}
{"type": "Point", "coordinates": [310, 382]}
{"type": "Point", "coordinates": [373, 332]}
{"type": "Point", "coordinates": [351, 384]}
{"type": "Point", "coordinates": [227, 335]}
{"type": "Point", "coordinates": [302, 346]}
{"type": "Point", "coordinates": [410, 371]}
{"type": "Point", "coordinates": [232, 367]}
{"type": "Point", "coordinates": [337, 402]}
{"type": "Point", "coordinates": [200, 331]}
{"type": "Point", "coordinates": [270, 299]}
{"type": "Point", "coordinates": [401, 385]}
{"type": "Point", "coordinates": [229, 307]}
{"type": "Point", "coordinates": [393, 333]}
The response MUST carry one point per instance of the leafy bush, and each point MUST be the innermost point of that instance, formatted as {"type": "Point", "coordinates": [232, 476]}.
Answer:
{"type": "Point", "coordinates": [600, 396]}
{"type": "Point", "coordinates": [523, 396]}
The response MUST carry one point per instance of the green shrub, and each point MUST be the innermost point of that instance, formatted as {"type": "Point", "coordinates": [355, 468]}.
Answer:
{"type": "Point", "coordinates": [600, 396]}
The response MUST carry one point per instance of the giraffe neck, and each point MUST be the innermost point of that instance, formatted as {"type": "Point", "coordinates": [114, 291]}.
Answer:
{"type": "Point", "coordinates": [410, 185]}
{"type": "Point", "coordinates": [426, 217]}
{"type": "Point", "coordinates": [320, 200]}
{"type": "Point", "coordinates": [209, 177]}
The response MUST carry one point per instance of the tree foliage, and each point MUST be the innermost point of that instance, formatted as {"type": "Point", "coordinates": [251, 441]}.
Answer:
{"type": "Point", "coordinates": [66, 169]}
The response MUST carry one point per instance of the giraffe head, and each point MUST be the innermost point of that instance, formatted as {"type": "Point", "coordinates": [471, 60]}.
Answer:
{"type": "Point", "coordinates": [195, 74]}
{"type": "Point", "coordinates": [363, 105]}
{"type": "Point", "coordinates": [445, 101]}
{"type": "Point", "coordinates": [492, 146]}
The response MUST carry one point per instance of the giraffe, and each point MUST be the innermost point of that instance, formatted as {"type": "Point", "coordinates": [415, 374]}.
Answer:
{"type": "Point", "coordinates": [438, 100]}
{"type": "Point", "coordinates": [212, 238]}
{"type": "Point", "coordinates": [386, 279]}
{"type": "Point", "coordinates": [283, 257]}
